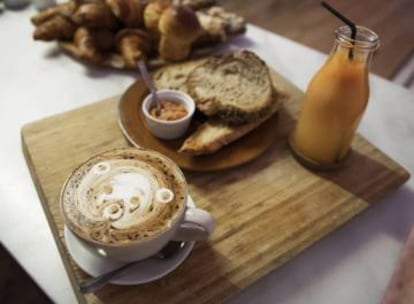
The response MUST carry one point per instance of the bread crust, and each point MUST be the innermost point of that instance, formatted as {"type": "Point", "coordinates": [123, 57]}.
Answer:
{"type": "Point", "coordinates": [213, 135]}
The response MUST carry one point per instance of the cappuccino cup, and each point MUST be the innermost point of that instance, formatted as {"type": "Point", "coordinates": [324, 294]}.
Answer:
{"type": "Point", "coordinates": [127, 204]}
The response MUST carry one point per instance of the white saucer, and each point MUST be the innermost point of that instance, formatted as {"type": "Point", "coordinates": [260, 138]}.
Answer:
{"type": "Point", "coordinates": [146, 271]}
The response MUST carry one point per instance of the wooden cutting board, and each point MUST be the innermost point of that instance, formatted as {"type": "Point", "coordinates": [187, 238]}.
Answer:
{"type": "Point", "coordinates": [267, 211]}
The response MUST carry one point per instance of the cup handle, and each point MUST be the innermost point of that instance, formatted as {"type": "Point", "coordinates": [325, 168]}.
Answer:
{"type": "Point", "coordinates": [198, 224]}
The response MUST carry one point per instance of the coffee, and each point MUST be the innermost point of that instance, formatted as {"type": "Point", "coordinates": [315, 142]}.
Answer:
{"type": "Point", "coordinates": [123, 196]}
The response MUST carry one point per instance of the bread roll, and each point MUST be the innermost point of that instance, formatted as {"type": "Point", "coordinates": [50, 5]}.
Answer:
{"type": "Point", "coordinates": [179, 28]}
{"type": "Point", "coordinates": [152, 15]}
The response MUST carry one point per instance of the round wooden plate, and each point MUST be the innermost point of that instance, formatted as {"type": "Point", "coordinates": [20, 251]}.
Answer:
{"type": "Point", "coordinates": [239, 152]}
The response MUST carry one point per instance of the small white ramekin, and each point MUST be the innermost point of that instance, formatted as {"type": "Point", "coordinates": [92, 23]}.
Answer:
{"type": "Point", "coordinates": [168, 129]}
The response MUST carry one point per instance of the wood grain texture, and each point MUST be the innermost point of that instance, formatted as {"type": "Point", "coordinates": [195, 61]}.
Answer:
{"type": "Point", "coordinates": [267, 211]}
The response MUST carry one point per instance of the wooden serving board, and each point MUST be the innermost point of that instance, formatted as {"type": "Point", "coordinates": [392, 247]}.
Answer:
{"type": "Point", "coordinates": [267, 211]}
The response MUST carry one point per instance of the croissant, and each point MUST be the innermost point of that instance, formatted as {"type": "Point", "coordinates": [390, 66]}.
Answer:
{"type": "Point", "coordinates": [95, 15]}
{"type": "Point", "coordinates": [152, 14]}
{"type": "Point", "coordinates": [104, 39]}
{"type": "Point", "coordinates": [128, 11]}
{"type": "Point", "coordinates": [179, 28]}
{"type": "Point", "coordinates": [92, 43]}
{"type": "Point", "coordinates": [64, 9]}
{"type": "Point", "coordinates": [118, 33]}
{"type": "Point", "coordinates": [55, 28]}
{"type": "Point", "coordinates": [134, 45]}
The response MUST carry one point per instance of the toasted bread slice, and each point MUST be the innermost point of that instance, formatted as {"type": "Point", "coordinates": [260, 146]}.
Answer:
{"type": "Point", "coordinates": [214, 135]}
{"type": "Point", "coordinates": [235, 88]}
{"type": "Point", "coordinates": [174, 76]}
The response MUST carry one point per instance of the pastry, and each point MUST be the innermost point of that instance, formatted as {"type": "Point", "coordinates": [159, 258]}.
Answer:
{"type": "Point", "coordinates": [93, 43]}
{"type": "Point", "coordinates": [95, 15]}
{"type": "Point", "coordinates": [63, 9]}
{"type": "Point", "coordinates": [218, 25]}
{"type": "Point", "coordinates": [174, 31]}
{"type": "Point", "coordinates": [55, 28]}
{"type": "Point", "coordinates": [152, 15]}
{"type": "Point", "coordinates": [134, 45]}
{"type": "Point", "coordinates": [129, 12]}
{"type": "Point", "coordinates": [179, 28]}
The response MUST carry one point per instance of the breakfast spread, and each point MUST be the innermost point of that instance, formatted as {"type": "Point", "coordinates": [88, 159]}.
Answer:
{"type": "Point", "coordinates": [234, 92]}
{"type": "Point", "coordinates": [129, 204]}
{"type": "Point", "coordinates": [169, 110]}
{"type": "Point", "coordinates": [118, 33]}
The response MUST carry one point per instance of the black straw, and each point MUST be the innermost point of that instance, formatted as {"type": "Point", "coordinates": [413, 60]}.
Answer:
{"type": "Point", "coordinates": [345, 20]}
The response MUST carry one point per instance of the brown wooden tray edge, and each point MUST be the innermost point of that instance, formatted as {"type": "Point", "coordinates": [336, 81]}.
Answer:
{"type": "Point", "coordinates": [51, 223]}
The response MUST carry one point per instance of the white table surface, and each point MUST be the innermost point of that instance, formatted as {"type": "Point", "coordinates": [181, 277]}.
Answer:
{"type": "Point", "coordinates": [352, 265]}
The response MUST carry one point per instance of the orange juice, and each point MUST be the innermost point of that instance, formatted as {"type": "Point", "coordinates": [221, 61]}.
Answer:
{"type": "Point", "coordinates": [335, 101]}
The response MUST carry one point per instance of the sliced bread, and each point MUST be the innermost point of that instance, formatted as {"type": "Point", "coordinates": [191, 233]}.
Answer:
{"type": "Point", "coordinates": [213, 135]}
{"type": "Point", "coordinates": [174, 76]}
{"type": "Point", "coordinates": [235, 88]}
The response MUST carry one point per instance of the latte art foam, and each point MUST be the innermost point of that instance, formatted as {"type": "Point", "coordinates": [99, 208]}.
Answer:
{"type": "Point", "coordinates": [124, 194]}
{"type": "Point", "coordinates": [123, 197]}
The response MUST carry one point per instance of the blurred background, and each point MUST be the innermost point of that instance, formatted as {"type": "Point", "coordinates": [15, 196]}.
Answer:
{"type": "Point", "coordinates": [305, 22]}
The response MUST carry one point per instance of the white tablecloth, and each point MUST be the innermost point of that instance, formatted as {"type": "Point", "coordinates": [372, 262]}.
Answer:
{"type": "Point", "coordinates": [352, 265]}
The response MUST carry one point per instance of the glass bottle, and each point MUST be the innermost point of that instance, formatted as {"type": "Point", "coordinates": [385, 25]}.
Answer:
{"type": "Point", "coordinates": [335, 101]}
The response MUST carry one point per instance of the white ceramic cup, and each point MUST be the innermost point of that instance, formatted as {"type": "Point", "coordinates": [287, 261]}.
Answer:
{"type": "Point", "coordinates": [190, 225]}
{"type": "Point", "coordinates": [168, 129]}
{"type": "Point", "coordinates": [194, 224]}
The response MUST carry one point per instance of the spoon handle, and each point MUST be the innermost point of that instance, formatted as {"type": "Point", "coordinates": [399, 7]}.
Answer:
{"type": "Point", "coordinates": [93, 284]}
{"type": "Point", "coordinates": [90, 285]}
{"type": "Point", "coordinates": [147, 78]}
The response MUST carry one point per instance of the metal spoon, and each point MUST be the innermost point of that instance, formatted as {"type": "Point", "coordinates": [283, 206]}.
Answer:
{"type": "Point", "coordinates": [147, 78]}
{"type": "Point", "coordinates": [93, 284]}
